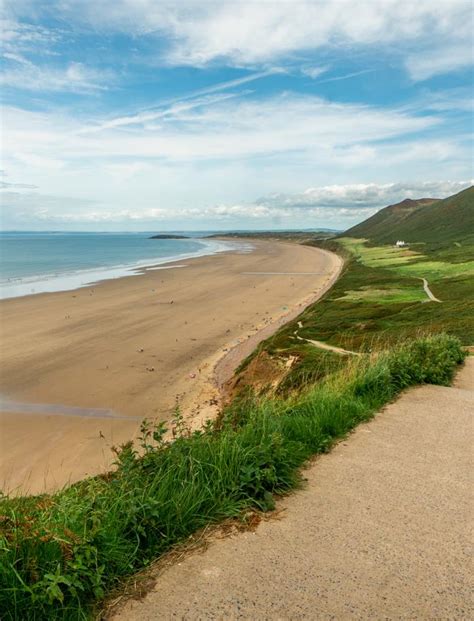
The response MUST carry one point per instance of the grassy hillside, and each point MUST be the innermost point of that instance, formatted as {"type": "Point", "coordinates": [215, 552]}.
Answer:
{"type": "Point", "coordinates": [380, 298]}
{"type": "Point", "coordinates": [424, 220]}
{"type": "Point", "coordinates": [378, 301]}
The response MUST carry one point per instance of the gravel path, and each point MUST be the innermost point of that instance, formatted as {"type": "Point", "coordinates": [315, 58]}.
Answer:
{"type": "Point", "coordinates": [428, 291]}
{"type": "Point", "coordinates": [381, 531]}
{"type": "Point", "coordinates": [327, 347]}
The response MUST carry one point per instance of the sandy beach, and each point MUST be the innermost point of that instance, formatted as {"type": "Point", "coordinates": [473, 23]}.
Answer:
{"type": "Point", "coordinates": [80, 369]}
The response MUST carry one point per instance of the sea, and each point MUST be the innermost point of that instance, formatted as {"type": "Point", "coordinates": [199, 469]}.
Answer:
{"type": "Point", "coordinates": [39, 262]}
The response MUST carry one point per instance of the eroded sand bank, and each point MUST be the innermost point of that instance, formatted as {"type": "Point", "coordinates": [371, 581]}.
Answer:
{"type": "Point", "coordinates": [132, 347]}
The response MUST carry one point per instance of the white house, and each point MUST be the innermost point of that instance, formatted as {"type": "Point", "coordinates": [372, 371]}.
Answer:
{"type": "Point", "coordinates": [400, 244]}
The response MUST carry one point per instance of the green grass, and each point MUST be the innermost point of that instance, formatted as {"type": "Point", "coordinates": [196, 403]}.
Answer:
{"type": "Point", "coordinates": [378, 300]}
{"type": "Point", "coordinates": [407, 261]}
{"type": "Point", "coordinates": [378, 256]}
{"type": "Point", "coordinates": [389, 295]}
{"type": "Point", "coordinates": [61, 553]}
{"type": "Point", "coordinates": [437, 269]}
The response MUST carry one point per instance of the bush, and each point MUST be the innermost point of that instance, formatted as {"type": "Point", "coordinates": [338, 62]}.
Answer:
{"type": "Point", "coordinates": [429, 360]}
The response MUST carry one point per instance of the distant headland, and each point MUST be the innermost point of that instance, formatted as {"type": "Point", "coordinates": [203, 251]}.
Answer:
{"type": "Point", "coordinates": [166, 236]}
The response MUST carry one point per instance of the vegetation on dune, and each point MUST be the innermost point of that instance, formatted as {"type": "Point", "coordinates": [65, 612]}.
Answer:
{"type": "Point", "coordinates": [61, 553]}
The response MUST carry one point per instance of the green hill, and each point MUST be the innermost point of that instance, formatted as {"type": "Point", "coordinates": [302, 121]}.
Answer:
{"type": "Point", "coordinates": [424, 220]}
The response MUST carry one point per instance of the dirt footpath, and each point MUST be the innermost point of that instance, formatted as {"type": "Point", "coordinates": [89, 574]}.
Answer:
{"type": "Point", "coordinates": [382, 531]}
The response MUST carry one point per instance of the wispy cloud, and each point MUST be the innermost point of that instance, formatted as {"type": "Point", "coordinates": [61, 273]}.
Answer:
{"type": "Point", "coordinates": [346, 76]}
{"type": "Point", "coordinates": [445, 59]}
{"type": "Point", "coordinates": [172, 108]}
{"type": "Point", "coordinates": [5, 185]}
{"type": "Point", "coordinates": [280, 124]}
{"type": "Point", "coordinates": [22, 38]}
{"type": "Point", "coordinates": [236, 82]}
{"type": "Point", "coordinates": [75, 77]}
{"type": "Point", "coordinates": [314, 72]}
{"type": "Point", "coordinates": [167, 112]}
{"type": "Point", "coordinates": [32, 61]}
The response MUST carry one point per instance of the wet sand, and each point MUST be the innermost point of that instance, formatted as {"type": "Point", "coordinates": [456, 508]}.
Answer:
{"type": "Point", "coordinates": [133, 347]}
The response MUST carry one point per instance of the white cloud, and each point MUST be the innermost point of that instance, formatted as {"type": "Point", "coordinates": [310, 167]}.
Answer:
{"type": "Point", "coordinates": [214, 150]}
{"type": "Point", "coordinates": [314, 72]}
{"type": "Point", "coordinates": [171, 112]}
{"type": "Point", "coordinates": [210, 162]}
{"type": "Point", "coordinates": [284, 125]}
{"type": "Point", "coordinates": [33, 62]}
{"type": "Point", "coordinates": [17, 58]}
{"type": "Point", "coordinates": [19, 38]}
{"type": "Point", "coordinates": [344, 204]}
{"type": "Point", "coordinates": [75, 77]}
{"type": "Point", "coordinates": [335, 201]}
{"type": "Point", "coordinates": [6, 185]}
{"type": "Point", "coordinates": [23, 209]}
{"type": "Point", "coordinates": [367, 195]}
{"type": "Point", "coordinates": [173, 108]}
{"type": "Point", "coordinates": [346, 76]}
{"type": "Point", "coordinates": [208, 153]}
{"type": "Point", "coordinates": [428, 37]}
{"type": "Point", "coordinates": [459, 99]}
{"type": "Point", "coordinates": [446, 59]}
{"type": "Point", "coordinates": [259, 32]}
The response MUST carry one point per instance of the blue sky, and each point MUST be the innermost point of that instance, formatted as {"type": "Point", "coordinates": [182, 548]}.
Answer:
{"type": "Point", "coordinates": [140, 115]}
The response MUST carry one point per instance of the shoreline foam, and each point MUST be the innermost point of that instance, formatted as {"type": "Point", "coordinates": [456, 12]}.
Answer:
{"type": "Point", "coordinates": [70, 281]}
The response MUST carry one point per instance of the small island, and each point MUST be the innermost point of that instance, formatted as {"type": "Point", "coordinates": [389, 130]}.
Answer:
{"type": "Point", "coordinates": [167, 236]}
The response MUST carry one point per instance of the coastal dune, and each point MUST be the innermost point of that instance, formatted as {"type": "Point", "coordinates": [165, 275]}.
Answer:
{"type": "Point", "coordinates": [81, 369]}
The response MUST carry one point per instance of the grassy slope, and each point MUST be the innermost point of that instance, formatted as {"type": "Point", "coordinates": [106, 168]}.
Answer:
{"type": "Point", "coordinates": [61, 553]}
{"type": "Point", "coordinates": [437, 221]}
{"type": "Point", "coordinates": [388, 218]}
{"type": "Point", "coordinates": [379, 299]}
